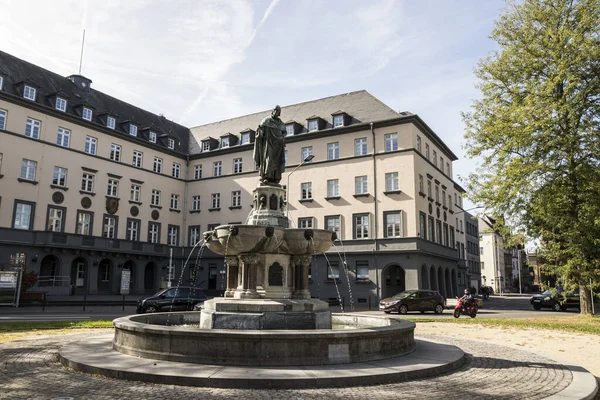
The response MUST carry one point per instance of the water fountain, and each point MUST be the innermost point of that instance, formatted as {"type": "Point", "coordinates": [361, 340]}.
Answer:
{"type": "Point", "coordinates": [267, 319]}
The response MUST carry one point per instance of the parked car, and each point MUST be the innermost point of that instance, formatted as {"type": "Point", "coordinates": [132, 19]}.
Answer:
{"type": "Point", "coordinates": [182, 298]}
{"type": "Point", "coordinates": [414, 300]}
{"type": "Point", "coordinates": [556, 301]}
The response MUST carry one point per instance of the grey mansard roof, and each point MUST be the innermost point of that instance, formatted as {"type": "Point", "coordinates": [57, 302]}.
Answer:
{"type": "Point", "coordinates": [361, 106]}
{"type": "Point", "coordinates": [17, 72]}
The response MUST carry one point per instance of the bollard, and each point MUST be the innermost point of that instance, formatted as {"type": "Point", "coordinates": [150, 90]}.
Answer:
{"type": "Point", "coordinates": [123, 302]}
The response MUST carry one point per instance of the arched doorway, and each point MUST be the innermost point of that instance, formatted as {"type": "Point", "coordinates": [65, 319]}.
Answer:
{"type": "Point", "coordinates": [130, 266]}
{"type": "Point", "coordinates": [449, 291]}
{"type": "Point", "coordinates": [105, 276]}
{"type": "Point", "coordinates": [424, 278]}
{"type": "Point", "coordinates": [79, 278]}
{"type": "Point", "coordinates": [150, 277]}
{"type": "Point", "coordinates": [432, 276]}
{"type": "Point", "coordinates": [50, 272]}
{"type": "Point", "coordinates": [394, 282]}
{"type": "Point", "coordinates": [441, 285]}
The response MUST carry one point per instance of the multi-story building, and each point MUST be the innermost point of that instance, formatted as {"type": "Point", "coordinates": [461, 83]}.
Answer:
{"type": "Point", "coordinates": [472, 244]}
{"type": "Point", "coordinates": [95, 190]}
{"type": "Point", "coordinates": [492, 255]}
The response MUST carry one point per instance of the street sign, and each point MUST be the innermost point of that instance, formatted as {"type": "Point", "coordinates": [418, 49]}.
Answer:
{"type": "Point", "coordinates": [125, 281]}
{"type": "Point", "coordinates": [9, 288]}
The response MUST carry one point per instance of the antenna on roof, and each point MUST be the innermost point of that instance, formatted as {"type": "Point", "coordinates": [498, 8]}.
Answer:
{"type": "Point", "coordinates": [81, 57]}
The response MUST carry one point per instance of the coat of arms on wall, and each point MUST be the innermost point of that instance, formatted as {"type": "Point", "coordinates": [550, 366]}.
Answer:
{"type": "Point", "coordinates": [112, 205]}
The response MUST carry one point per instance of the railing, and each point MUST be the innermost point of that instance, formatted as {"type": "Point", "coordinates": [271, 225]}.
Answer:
{"type": "Point", "coordinates": [53, 281]}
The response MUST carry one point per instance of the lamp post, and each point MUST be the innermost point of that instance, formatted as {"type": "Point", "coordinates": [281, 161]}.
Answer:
{"type": "Point", "coordinates": [287, 188]}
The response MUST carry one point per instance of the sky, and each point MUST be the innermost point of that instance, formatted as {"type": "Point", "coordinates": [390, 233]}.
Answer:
{"type": "Point", "coordinates": [200, 61]}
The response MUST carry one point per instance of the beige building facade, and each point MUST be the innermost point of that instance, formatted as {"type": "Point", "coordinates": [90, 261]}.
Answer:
{"type": "Point", "coordinates": [101, 192]}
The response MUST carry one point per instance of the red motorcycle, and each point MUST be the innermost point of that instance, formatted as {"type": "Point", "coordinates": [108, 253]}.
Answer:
{"type": "Point", "coordinates": [471, 309]}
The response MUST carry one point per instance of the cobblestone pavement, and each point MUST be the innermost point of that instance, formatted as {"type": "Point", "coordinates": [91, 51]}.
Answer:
{"type": "Point", "coordinates": [29, 370]}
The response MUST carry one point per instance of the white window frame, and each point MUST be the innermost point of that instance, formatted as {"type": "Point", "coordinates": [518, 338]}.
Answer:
{"type": "Point", "coordinates": [206, 146]}
{"type": "Point", "coordinates": [245, 138]}
{"type": "Point", "coordinates": [174, 201]}
{"type": "Point", "coordinates": [338, 120]}
{"type": "Point", "coordinates": [333, 151]}
{"type": "Point", "coordinates": [313, 125]}
{"type": "Point", "coordinates": [29, 93]}
{"type": "Point", "coordinates": [84, 223]}
{"type": "Point", "coordinates": [3, 119]}
{"type": "Point", "coordinates": [225, 142]}
{"type": "Point", "coordinates": [28, 169]}
{"type": "Point", "coordinates": [113, 188]}
{"type": "Point", "coordinates": [133, 130]}
{"type": "Point", "coordinates": [86, 113]}
{"type": "Point", "coordinates": [22, 217]}
{"type": "Point", "coordinates": [418, 143]}
{"type": "Point", "coordinates": [196, 203]}
{"type": "Point", "coordinates": [135, 193]}
{"type": "Point", "coordinates": [152, 137]}
{"type": "Point", "coordinates": [289, 130]}
{"type": "Point", "coordinates": [391, 142]}
{"type": "Point", "coordinates": [237, 165]}
{"type": "Point", "coordinates": [176, 172]}
{"type": "Point", "coordinates": [32, 128]}
{"type": "Point", "coordinates": [157, 165]}
{"type": "Point", "coordinates": [87, 182]}
{"type": "Point", "coordinates": [63, 137]}
{"type": "Point", "coordinates": [306, 223]}
{"type": "Point", "coordinates": [336, 226]}
{"type": "Point", "coordinates": [360, 147]}
{"type": "Point", "coordinates": [115, 152]}
{"type": "Point", "coordinates": [153, 232]}
{"type": "Point", "coordinates": [198, 171]}
{"type": "Point", "coordinates": [236, 198]}
{"type": "Point", "coordinates": [307, 151]}
{"type": "Point", "coordinates": [391, 182]}
{"type": "Point", "coordinates": [173, 233]}
{"type": "Point", "coordinates": [1, 81]}
{"type": "Point", "coordinates": [61, 104]}
{"type": "Point", "coordinates": [361, 184]}
{"type": "Point", "coordinates": [306, 190]}
{"type": "Point", "coordinates": [55, 219]}
{"type": "Point", "coordinates": [91, 144]}
{"type": "Point", "coordinates": [109, 226]}
{"type": "Point", "coordinates": [138, 159]}
{"type": "Point", "coordinates": [395, 225]}
{"type": "Point", "coordinates": [217, 168]}
{"type": "Point", "coordinates": [215, 200]}
{"type": "Point", "coordinates": [133, 230]}
{"type": "Point", "coordinates": [361, 228]}
{"type": "Point", "coordinates": [333, 188]}
{"type": "Point", "coordinates": [155, 198]}
{"type": "Point", "coordinates": [194, 235]}
{"type": "Point", "coordinates": [59, 178]}
{"type": "Point", "coordinates": [170, 143]}
{"type": "Point", "coordinates": [110, 122]}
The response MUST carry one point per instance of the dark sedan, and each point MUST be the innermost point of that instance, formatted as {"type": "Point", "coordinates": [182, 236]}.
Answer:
{"type": "Point", "coordinates": [414, 300]}
{"type": "Point", "coordinates": [182, 298]}
{"type": "Point", "coordinates": [556, 301]}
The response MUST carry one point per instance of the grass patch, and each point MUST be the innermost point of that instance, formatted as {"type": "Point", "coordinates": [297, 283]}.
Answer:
{"type": "Point", "coordinates": [17, 330]}
{"type": "Point", "coordinates": [568, 324]}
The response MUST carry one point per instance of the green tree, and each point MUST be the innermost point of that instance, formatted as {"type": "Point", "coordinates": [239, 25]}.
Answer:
{"type": "Point", "coordinates": [536, 130]}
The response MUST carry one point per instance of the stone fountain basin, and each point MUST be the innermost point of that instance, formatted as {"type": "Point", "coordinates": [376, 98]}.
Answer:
{"type": "Point", "coordinates": [151, 336]}
{"type": "Point", "coordinates": [308, 241]}
{"type": "Point", "coordinates": [231, 240]}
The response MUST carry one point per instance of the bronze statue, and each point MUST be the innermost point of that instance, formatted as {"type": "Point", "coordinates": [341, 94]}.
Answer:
{"type": "Point", "coordinates": [269, 148]}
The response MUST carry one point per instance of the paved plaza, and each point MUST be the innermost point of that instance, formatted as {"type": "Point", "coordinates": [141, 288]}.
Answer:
{"type": "Point", "coordinates": [30, 370]}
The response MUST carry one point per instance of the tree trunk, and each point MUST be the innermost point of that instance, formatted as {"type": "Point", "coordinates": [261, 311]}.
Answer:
{"type": "Point", "coordinates": [585, 299]}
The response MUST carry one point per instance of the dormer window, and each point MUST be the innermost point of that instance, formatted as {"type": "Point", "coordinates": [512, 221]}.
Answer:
{"type": "Point", "coordinates": [110, 122]}
{"type": "Point", "coordinates": [29, 93]}
{"type": "Point", "coordinates": [171, 144]}
{"type": "Point", "coordinates": [61, 104]}
{"type": "Point", "coordinates": [1, 81]}
{"type": "Point", "coordinates": [86, 113]}
{"type": "Point", "coordinates": [245, 138]}
{"type": "Point", "coordinates": [152, 137]}
{"type": "Point", "coordinates": [133, 129]}
{"type": "Point", "coordinates": [338, 120]}
{"type": "Point", "coordinates": [206, 146]}
{"type": "Point", "coordinates": [224, 142]}
{"type": "Point", "coordinates": [313, 125]}
{"type": "Point", "coordinates": [289, 130]}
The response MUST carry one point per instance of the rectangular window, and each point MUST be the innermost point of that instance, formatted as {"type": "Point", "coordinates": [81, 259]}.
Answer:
{"type": "Point", "coordinates": [422, 226]}
{"type": "Point", "coordinates": [237, 166]}
{"type": "Point", "coordinates": [84, 223]}
{"type": "Point", "coordinates": [361, 226]}
{"type": "Point", "coordinates": [133, 129]}
{"type": "Point", "coordinates": [245, 138]}
{"type": "Point", "coordinates": [109, 227]}
{"type": "Point", "coordinates": [29, 93]}
{"type": "Point", "coordinates": [56, 218]}
{"type": "Point", "coordinates": [391, 182]}
{"type": "Point", "coordinates": [285, 158]}
{"type": "Point", "coordinates": [452, 237]}
{"type": "Point", "coordinates": [360, 185]}
{"type": "Point", "coordinates": [431, 228]}
{"type": "Point", "coordinates": [426, 151]}
{"type": "Point", "coordinates": [155, 198]}
{"type": "Point", "coordinates": [333, 271]}
{"type": "Point", "coordinates": [2, 119]}
{"type": "Point", "coordinates": [289, 130]}
{"type": "Point", "coordinates": [445, 237]}
{"type": "Point", "coordinates": [133, 229]}
{"type": "Point", "coordinates": [136, 192]}
{"type": "Point", "coordinates": [216, 200]}
{"type": "Point", "coordinates": [153, 232]}
{"type": "Point", "coordinates": [32, 128]}
{"type": "Point", "coordinates": [176, 172]}
{"type": "Point", "coordinates": [110, 122]}
{"type": "Point", "coordinates": [437, 194]}
{"type": "Point", "coordinates": [305, 223]}
{"type": "Point", "coordinates": [224, 142]}
{"type": "Point", "coordinates": [174, 201]}
{"type": "Point", "coordinates": [444, 198]}
{"type": "Point", "coordinates": [86, 113]}
{"type": "Point", "coordinates": [393, 223]}
{"type": "Point", "coordinates": [173, 235]}
{"type": "Point", "coordinates": [115, 152]}
{"type": "Point", "coordinates": [61, 104]}
{"type": "Point", "coordinates": [461, 225]}
{"type": "Point", "coordinates": [236, 198]}
{"type": "Point", "coordinates": [63, 137]}
{"type": "Point", "coordinates": [196, 203]}
{"type": "Point", "coordinates": [338, 120]}
{"type": "Point", "coordinates": [438, 231]}
{"type": "Point", "coordinates": [391, 142]}
{"type": "Point", "coordinates": [313, 125]}
{"type": "Point", "coordinates": [205, 146]}
{"type": "Point", "coordinates": [28, 169]}
{"type": "Point", "coordinates": [418, 143]}
{"type": "Point", "coordinates": [362, 270]}
{"type": "Point", "coordinates": [421, 184]}
{"type": "Point", "coordinates": [450, 202]}
{"type": "Point", "coordinates": [171, 143]}
{"type": "Point", "coordinates": [1, 82]}
{"type": "Point", "coordinates": [198, 172]}
{"type": "Point", "coordinates": [137, 159]}
{"type": "Point", "coordinates": [87, 183]}
{"type": "Point", "coordinates": [0, 163]}
{"type": "Point", "coordinates": [333, 151]}
{"type": "Point", "coordinates": [90, 145]}
{"type": "Point", "coordinates": [194, 236]}
{"type": "Point", "coordinates": [360, 146]}
{"type": "Point", "coordinates": [333, 188]}
{"type": "Point", "coordinates": [306, 188]}
{"type": "Point", "coordinates": [113, 188]}
{"type": "Point", "coordinates": [217, 168]}
{"type": "Point", "coordinates": [429, 194]}
{"type": "Point", "coordinates": [157, 166]}
{"type": "Point", "coordinates": [306, 151]}
{"type": "Point", "coordinates": [448, 168]}
{"type": "Point", "coordinates": [442, 163]}
{"type": "Point", "coordinates": [152, 137]}
{"type": "Point", "coordinates": [435, 158]}
{"type": "Point", "coordinates": [60, 177]}
{"type": "Point", "coordinates": [333, 223]}
{"type": "Point", "coordinates": [23, 217]}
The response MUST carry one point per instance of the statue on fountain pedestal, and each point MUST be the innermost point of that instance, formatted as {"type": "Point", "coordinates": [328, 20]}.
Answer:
{"type": "Point", "coordinates": [269, 148]}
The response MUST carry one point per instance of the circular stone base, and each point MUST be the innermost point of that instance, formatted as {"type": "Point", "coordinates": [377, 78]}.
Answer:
{"type": "Point", "coordinates": [97, 357]}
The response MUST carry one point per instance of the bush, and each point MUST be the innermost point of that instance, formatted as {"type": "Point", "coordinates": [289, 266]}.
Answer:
{"type": "Point", "coordinates": [29, 280]}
